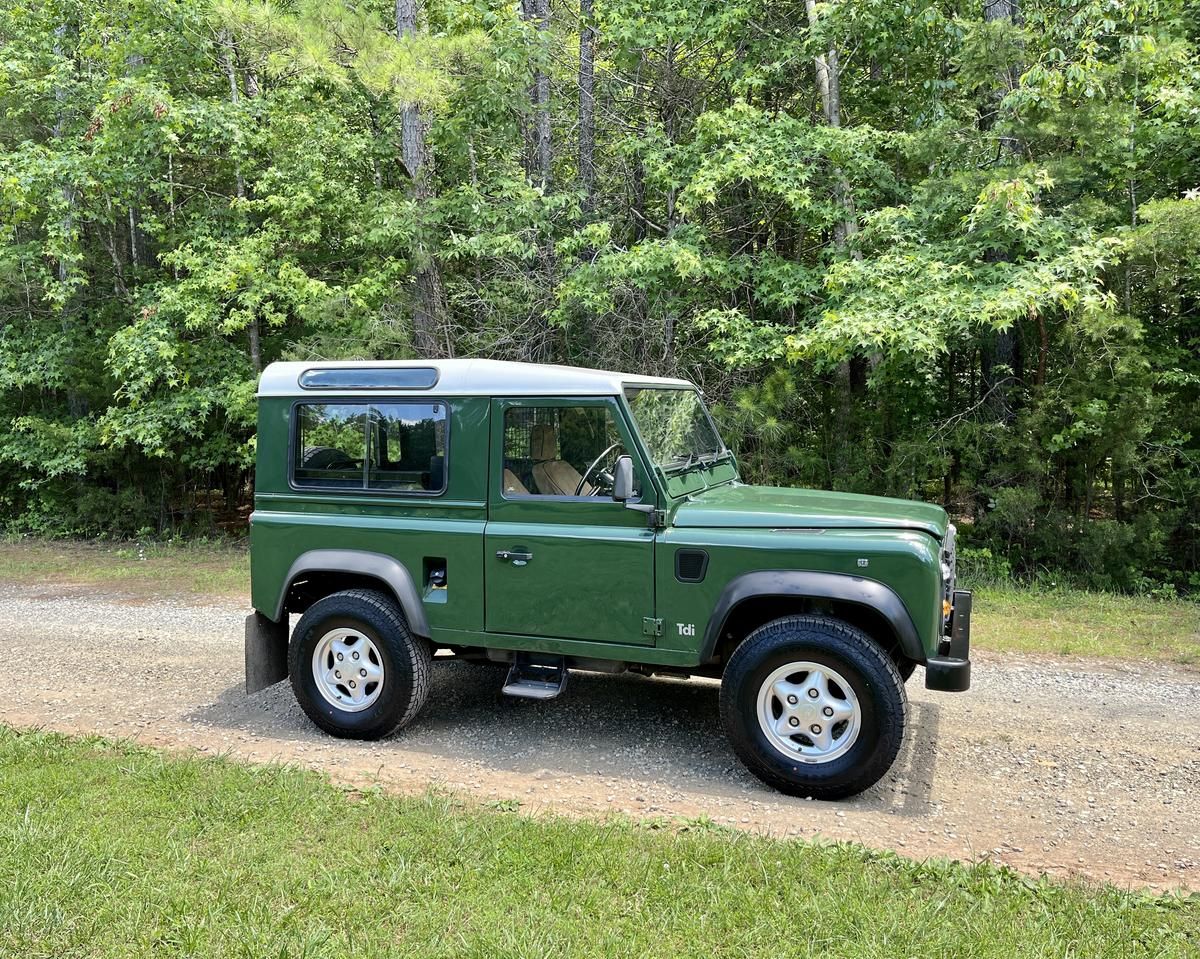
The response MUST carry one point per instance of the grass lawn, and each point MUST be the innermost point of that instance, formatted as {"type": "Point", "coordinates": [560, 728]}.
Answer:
{"type": "Point", "coordinates": [1072, 622]}
{"type": "Point", "coordinates": [211, 570]}
{"type": "Point", "coordinates": [1024, 620]}
{"type": "Point", "coordinates": [108, 849]}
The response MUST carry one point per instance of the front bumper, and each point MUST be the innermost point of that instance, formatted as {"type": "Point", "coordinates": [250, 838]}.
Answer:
{"type": "Point", "coordinates": [951, 673]}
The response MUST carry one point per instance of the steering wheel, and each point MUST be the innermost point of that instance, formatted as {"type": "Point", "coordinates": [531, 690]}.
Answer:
{"type": "Point", "coordinates": [603, 477]}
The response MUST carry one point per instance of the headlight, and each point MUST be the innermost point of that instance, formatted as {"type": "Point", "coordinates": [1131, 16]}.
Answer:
{"type": "Point", "coordinates": [949, 571]}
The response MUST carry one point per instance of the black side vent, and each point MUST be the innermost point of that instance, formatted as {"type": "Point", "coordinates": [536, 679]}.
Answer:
{"type": "Point", "coordinates": [690, 565]}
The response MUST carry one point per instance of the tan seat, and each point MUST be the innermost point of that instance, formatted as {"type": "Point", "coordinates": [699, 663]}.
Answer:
{"type": "Point", "coordinates": [514, 485]}
{"type": "Point", "coordinates": [554, 477]}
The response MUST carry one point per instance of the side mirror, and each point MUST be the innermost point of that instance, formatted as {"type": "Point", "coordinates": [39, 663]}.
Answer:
{"type": "Point", "coordinates": [623, 479]}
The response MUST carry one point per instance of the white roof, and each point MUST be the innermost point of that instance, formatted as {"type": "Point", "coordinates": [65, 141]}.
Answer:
{"type": "Point", "coordinates": [467, 378]}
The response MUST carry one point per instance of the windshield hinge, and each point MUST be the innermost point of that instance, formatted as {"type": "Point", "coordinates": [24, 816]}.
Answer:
{"type": "Point", "coordinates": [655, 518]}
{"type": "Point", "coordinates": [651, 626]}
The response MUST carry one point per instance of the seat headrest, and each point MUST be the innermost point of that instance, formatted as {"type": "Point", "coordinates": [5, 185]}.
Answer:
{"type": "Point", "coordinates": [543, 442]}
{"type": "Point", "coordinates": [437, 473]}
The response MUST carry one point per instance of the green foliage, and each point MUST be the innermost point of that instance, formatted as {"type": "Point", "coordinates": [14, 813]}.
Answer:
{"type": "Point", "coordinates": [980, 288]}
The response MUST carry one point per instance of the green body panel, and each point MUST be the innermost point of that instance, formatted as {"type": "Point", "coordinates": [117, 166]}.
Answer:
{"type": "Point", "coordinates": [906, 562]}
{"type": "Point", "coordinates": [774, 507]}
{"type": "Point", "coordinates": [600, 579]}
{"type": "Point", "coordinates": [412, 529]}
{"type": "Point", "coordinates": [280, 537]}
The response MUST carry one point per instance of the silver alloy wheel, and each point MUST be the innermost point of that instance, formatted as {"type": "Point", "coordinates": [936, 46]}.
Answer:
{"type": "Point", "coordinates": [809, 712]}
{"type": "Point", "coordinates": [347, 669]}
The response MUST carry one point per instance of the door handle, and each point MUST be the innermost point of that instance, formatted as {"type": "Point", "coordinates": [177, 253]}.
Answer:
{"type": "Point", "coordinates": [518, 558]}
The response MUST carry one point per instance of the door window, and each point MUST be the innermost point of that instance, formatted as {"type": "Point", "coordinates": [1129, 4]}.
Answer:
{"type": "Point", "coordinates": [560, 451]}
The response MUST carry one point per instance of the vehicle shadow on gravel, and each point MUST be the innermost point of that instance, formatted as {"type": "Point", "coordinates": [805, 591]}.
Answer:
{"type": "Point", "coordinates": [625, 727]}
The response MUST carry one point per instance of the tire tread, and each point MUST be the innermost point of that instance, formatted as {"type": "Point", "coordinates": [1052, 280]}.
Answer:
{"type": "Point", "coordinates": [395, 633]}
{"type": "Point", "coordinates": [841, 639]}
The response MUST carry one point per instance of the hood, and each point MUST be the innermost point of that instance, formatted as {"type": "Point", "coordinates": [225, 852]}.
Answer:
{"type": "Point", "coordinates": [777, 507]}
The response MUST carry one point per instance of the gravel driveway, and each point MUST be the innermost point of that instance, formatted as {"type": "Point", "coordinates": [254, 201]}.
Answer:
{"type": "Point", "coordinates": [1065, 767]}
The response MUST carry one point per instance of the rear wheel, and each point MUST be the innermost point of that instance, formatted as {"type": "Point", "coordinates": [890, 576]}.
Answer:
{"type": "Point", "coordinates": [813, 707]}
{"type": "Point", "coordinates": [356, 668]}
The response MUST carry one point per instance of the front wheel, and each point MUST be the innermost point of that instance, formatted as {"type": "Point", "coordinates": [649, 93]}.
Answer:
{"type": "Point", "coordinates": [356, 668]}
{"type": "Point", "coordinates": [813, 707]}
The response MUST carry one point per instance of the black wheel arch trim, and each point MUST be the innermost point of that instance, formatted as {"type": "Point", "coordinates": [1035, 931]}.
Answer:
{"type": "Point", "coordinates": [811, 584]}
{"type": "Point", "coordinates": [388, 570]}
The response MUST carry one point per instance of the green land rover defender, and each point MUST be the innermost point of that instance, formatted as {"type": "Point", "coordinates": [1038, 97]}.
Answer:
{"type": "Point", "coordinates": [551, 518]}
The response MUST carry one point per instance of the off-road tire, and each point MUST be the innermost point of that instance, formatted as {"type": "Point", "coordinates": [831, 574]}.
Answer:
{"type": "Point", "coordinates": [866, 667]}
{"type": "Point", "coordinates": [408, 664]}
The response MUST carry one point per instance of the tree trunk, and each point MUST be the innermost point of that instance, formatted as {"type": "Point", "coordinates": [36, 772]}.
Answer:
{"type": "Point", "coordinates": [70, 200]}
{"type": "Point", "coordinates": [538, 13]}
{"type": "Point", "coordinates": [995, 11]}
{"type": "Point", "coordinates": [851, 374]}
{"type": "Point", "coordinates": [1004, 350]}
{"type": "Point", "coordinates": [414, 153]}
{"type": "Point", "coordinates": [828, 86]}
{"type": "Point", "coordinates": [228, 56]}
{"type": "Point", "coordinates": [1043, 349]}
{"type": "Point", "coordinates": [587, 106]}
{"type": "Point", "coordinates": [58, 132]}
{"type": "Point", "coordinates": [251, 78]}
{"type": "Point", "coordinates": [637, 173]}
{"type": "Point", "coordinates": [138, 246]}
{"type": "Point", "coordinates": [538, 166]}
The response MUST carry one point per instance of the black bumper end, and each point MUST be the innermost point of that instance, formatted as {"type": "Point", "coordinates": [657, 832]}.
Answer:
{"type": "Point", "coordinates": [952, 673]}
{"type": "Point", "coordinates": [947, 675]}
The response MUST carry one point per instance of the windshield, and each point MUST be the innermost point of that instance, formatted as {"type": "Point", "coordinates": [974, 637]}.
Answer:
{"type": "Point", "coordinates": [675, 427]}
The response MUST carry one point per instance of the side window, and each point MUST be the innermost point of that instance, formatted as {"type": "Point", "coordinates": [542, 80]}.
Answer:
{"type": "Point", "coordinates": [400, 447]}
{"type": "Point", "coordinates": [560, 451]}
{"type": "Point", "coordinates": [331, 445]}
{"type": "Point", "coordinates": [408, 447]}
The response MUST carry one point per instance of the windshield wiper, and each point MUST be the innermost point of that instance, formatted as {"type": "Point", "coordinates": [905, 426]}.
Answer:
{"type": "Point", "coordinates": [675, 466]}
{"type": "Point", "coordinates": [681, 464]}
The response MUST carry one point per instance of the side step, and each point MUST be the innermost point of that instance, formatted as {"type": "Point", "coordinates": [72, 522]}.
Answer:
{"type": "Point", "coordinates": [533, 680]}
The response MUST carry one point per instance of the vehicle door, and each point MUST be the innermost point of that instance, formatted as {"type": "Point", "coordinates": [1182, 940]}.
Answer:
{"type": "Point", "coordinates": [562, 559]}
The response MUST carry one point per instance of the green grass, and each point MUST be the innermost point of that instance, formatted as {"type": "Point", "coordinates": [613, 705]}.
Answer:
{"type": "Point", "coordinates": [1014, 619]}
{"type": "Point", "coordinates": [199, 569]}
{"type": "Point", "coordinates": [108, 849]}
{"type": "Point", "coordinates": [1071, 622]}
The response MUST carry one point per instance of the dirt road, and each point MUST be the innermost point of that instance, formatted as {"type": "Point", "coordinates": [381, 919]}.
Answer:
{"type": "Point", "coordinates": [1064, 767]}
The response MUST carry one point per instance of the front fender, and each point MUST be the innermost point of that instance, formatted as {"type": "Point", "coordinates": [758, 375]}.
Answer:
{"type": "Point", "coordinates": [810, 584]}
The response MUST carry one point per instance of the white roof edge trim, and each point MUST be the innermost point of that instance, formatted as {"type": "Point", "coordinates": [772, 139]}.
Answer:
{"type": "Point", "coordinates": [468, 378]}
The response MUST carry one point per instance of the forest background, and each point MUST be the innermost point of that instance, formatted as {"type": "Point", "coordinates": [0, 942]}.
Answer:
{"type": "Point", "coordinates": [944, 250]}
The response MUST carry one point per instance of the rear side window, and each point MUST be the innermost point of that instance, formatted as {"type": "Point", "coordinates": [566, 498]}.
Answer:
{"type": "Point", "coordinates": [398, 447]}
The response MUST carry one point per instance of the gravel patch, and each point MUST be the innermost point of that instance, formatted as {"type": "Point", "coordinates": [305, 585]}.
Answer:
{"type": "Point", "coordinates": [1067, 767]}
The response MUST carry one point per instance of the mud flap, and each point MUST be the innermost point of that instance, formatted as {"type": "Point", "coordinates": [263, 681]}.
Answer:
{"type": "Point", "coordinates": [266, 652]}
